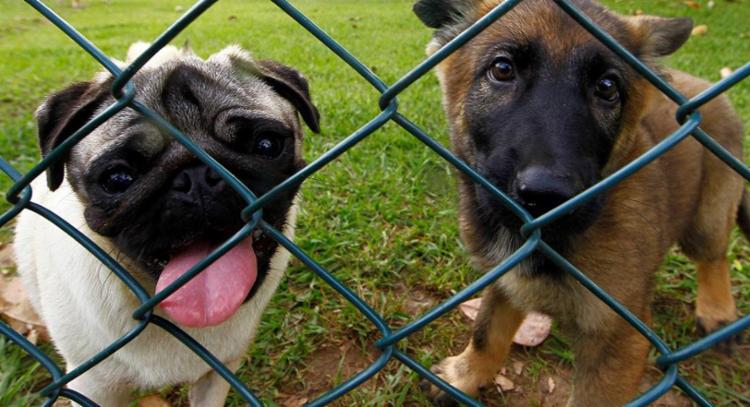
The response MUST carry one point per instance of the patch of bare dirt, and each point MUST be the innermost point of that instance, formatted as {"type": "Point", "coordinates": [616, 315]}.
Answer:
{"type": "Point", "coordinates": [324, 369]}
{"type": "Point", "coordinates": [521, 388]}
{"type": "Point", "coordinates": [416, 300]}
{"type": "Point", "coordinates": [552, 387]}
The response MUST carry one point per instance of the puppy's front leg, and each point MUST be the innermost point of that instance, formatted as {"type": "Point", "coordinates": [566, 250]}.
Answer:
{"type": "Point", "coordinates": [490, 343]}
{"type": "Point", "coordinates": [609, 366]}
{"type": "Point", "coordinates": [211, 389]}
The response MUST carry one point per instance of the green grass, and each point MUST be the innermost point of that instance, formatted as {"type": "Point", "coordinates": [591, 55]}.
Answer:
{"type": "Point", "coordinates": [382, 218]}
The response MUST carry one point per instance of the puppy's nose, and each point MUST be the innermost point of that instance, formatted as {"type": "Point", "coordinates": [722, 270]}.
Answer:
{"type": "Point", "coordinates": [198, 179]}
{"type": "Point", "coordinates": [539, 189]}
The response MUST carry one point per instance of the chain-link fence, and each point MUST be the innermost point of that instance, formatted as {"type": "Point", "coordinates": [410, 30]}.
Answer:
{"type": "Point", "coordinates": [20, 195]}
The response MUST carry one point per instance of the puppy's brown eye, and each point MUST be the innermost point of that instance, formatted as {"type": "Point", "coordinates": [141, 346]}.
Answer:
{"type": "Point", "coordinates": [268, 146]}
{"type": "Point", "coordinates": [116, 180]}
{"type": "Point", "coordinates": [607, 89]}
{"type": "Point", "coordinates": [502, 70]}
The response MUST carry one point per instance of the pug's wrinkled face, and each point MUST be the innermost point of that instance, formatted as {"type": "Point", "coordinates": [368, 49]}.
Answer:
{"type": "Point", "coordinates": [163, 208]}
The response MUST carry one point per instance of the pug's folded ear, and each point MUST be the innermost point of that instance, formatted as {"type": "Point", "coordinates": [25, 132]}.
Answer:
{"type": "Point", "coordinates": [292, 86]}
{"type": "Point", "coordinates": [286, 81]}
{"type": "Point", "coordinates": [60, 116]}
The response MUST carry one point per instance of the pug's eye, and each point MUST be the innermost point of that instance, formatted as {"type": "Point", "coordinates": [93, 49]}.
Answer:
{"type": "Point", "coordinates": [607, 88]}
{"type": "Point", "coordinates": [268, 146]}
{"type": "Point", "coordinates": [502, 70]}
{"type": "Point", "coordinates": [117, 180]}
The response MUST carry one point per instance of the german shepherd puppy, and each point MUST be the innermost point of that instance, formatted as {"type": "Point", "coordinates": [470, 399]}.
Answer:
{"type": "Point", "coordinates": [544, 110]}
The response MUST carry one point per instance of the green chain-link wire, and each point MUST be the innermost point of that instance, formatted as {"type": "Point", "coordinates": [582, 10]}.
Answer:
{"type": "Point", "coordinates": [19, 195]}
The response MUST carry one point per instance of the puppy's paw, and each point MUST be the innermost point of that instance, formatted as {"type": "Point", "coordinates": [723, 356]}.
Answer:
{"type": "Point", "coordinates": [454, 371]}
{"type": "Point", "coordinates": [705, 326]}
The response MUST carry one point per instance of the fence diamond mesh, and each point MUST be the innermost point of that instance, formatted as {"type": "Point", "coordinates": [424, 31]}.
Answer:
{"type": "Point", "coordinates": [20, 194]}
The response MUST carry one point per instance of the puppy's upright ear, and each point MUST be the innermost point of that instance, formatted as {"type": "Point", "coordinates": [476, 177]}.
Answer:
{"type": "Point", "coordinates": [60, 115]}
{"type": "Point", "coordinates": [440, 13]}
{"type": "Point", "coordinates": [661, 36]}
{"type": "Point", "coordinates": [286, 81]}
{"type": "Point", "coordinates": [292, 86]}
{"type": "Point", "coordinates": [447, 17]}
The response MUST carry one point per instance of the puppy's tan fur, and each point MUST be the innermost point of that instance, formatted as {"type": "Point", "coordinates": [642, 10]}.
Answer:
{"type": "Point", "coordinates": [688, 197]}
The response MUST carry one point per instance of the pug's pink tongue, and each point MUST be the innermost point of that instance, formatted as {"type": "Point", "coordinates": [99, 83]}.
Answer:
{"type": "Point", "coordinates": [216, 293]}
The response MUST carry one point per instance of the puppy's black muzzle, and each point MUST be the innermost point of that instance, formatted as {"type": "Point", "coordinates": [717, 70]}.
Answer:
{"type": "Point", "coordinates": [539, 189]}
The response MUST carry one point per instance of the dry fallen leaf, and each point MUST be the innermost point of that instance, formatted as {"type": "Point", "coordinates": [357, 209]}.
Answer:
{"type": "Point", "coordinates": [517, 368]}
{"type": "Point", "coordinates": [11, 290]}
{"type": "Point", "coordinates": [726, 71]}
{"type": "Point", "coordinates": [3, 303]}
{"type": "Point", "coordinates": [700, 30]}
{"type": "Point", "coordinates": [33, 336]}
{"type": "Point", "coordinates": [24, 313]}
{"type": "Point", "coordinates": [471, 308]}
{"type": "Point", "coordinates": [16, 310]}
{"type": "Point", "coordinates": [19, 307]}
{"type": "Point", "coordinates": [153, 400]}
{"type": "Point", "coordinates": [295, 401]}
{"type": "Point", "coordinates": [7, 262]}
{"type": "Point", "coordinates": [503, 383]}
{"type": "Point", "coordinates": [533, 330]}
{"type": "Point", "coordinates": [16, 325]}
{"type": "Point", "coordinates": [550, 385]}
{"type": "Point", "coordinates": [692, 4]}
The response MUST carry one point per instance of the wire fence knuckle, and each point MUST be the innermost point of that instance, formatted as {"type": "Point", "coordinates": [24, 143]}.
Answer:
{"type": "Point", "coordinates": [426, 374]}
{"type": "Point", "coordinates": [89, 245]}
{"type": "Point", "coordinates": [712, 92]}
{"type": "Point", "coordinates": [19, 203]}
{"type": "Point", "coordinates": [124, 92]}
{"type": "Point", "coordinates": [94, 360]}
{"type": "Point", "coordinates": [73, 396]}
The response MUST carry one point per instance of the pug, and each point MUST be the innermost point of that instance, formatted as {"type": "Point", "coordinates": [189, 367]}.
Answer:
{"type": "Point", "coordinates": [153, 206]}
